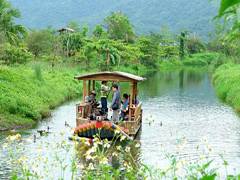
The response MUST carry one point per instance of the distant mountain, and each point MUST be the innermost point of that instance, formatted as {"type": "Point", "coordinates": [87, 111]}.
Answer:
{"type": "Point", "coordinates": [146, 15]}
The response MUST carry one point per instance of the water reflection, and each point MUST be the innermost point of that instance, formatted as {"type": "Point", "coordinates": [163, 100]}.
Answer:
{"type": "Point", "coordinates": [184, 103]}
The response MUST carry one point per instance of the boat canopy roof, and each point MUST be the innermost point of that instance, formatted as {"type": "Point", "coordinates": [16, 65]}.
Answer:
{"type": "Point", "coordinates": [111, 76]}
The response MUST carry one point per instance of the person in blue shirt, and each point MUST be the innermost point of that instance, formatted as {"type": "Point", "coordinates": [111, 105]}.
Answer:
{"type": "Point", "coordinates": [124, 108]}
{"type": "Point", "coordinates": [116, 103]}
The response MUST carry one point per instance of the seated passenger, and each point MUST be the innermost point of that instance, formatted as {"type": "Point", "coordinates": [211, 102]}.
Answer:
{"type": "Point", "coordinates": [93, 102]}
{"type": "Point", "coordinates": [124, 108]}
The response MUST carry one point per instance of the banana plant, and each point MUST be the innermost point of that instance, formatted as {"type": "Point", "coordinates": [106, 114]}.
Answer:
{"type": "Point", "coordinates": [227, 6]}
{"type": "Point", "coordinates": [109, 53]}
{"type": "Point", "coordinates": [11, 31]}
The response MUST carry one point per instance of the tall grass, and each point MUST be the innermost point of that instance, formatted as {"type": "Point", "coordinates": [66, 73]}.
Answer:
{"type": "Point", "coordinates": [206, 59]}
{"type": "Point", "coordinates": [226, 80]}
{"type": "Point", "coordinates": [103, 159]}
{"type": "Point", "coordinates": [27, 94]}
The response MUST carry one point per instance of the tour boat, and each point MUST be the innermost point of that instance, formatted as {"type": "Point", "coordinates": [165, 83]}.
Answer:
{"type": "Point", "coordinates": [89, 126]}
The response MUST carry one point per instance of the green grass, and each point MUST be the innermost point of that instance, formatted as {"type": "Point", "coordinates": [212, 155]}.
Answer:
{"type": "Point", "coordinates": [206, 59]}
{"type": "Point", "coordinates": [226, 80]}
{"type": "Point", "coordinates": [28, 92]}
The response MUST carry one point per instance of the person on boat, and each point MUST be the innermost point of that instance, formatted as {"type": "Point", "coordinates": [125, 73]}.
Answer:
{"type": "Point", "coordinates": [116, 103]}
{"type": "Point", "coordinates": [93, 101]}
{"type": "Point", "coordinates": [92, 97]}
{"type": "Point", "coordinates": [124, 107]}
{"type": "Point", "coordinates": [104, 94]}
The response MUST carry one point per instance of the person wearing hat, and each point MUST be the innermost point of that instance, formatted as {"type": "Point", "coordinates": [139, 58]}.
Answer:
{"type": "Point", "coordinates": [92, 97]}
{"type": "Point", "coordinates": [116, 103]}
{"type": "Point", "coordinates": [104, 94]}
{"type": "Point", "coordinates": [93, 102]}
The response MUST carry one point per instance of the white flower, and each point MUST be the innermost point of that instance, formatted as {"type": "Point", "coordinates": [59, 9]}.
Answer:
{"type": "Point", "coordinates": [117, 131]}
{"type": "Point", "coordinates": [126, 164]}
{"type": "Point", "coordinates": [103, 160]}
{"type": "Point", "coordinates": [122, 138]}
{"type": "Point", "coordinates": [127, 149]}
{"type": "Point", "coordinates": [137, 145]}
{"type": "Point", "coordinates": [14, 137]}
{"type": "Point", "coordinates": [22, 159]}
{"type": "Point", "coordinates": [90, 166]}
{"type": "Point", "coordinates": [107, 145]}
{"type": "Point", "coordinates": [5, 145]}
{"type": "Point", "coordinates": [90, 151]}
{"type": "Point", "coordinates": [80, 166]}
{"type": "Point", "coordinates": [118, 148]}
{"type": "Point", "coordinates": [89, 157]}
{"type": "Point", "coordinates": [115, 154]}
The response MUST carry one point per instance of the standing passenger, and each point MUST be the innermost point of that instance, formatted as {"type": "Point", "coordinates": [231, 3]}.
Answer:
{"type": "Point", "coordinates": [104, 93]}
{"type": "Point", "coordinates": [116, 103]}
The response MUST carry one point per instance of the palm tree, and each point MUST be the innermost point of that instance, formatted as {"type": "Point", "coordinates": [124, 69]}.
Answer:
{"type": "Point", "coordinates": [11, 31]}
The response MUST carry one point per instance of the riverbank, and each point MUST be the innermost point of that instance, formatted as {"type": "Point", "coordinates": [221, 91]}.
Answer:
{"type": "Point", "coordinates": [226, 73]}
{"type": "Point", "coordinates": [226, 80]}
{"type": "Point", "coordinates": [29, 92]}
{"type": "Point", "coordinates": [208, 60]}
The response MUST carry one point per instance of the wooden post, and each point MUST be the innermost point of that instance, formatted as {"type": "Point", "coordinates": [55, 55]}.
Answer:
{"type": "Point", "coordinates": [89, 87]}
{"type": "Point", "coordinates": [134, 92]}
{"type": "Point", "coordinates": [131, 101]}
{"type": "Point", "coordinates": [93, 85]}
{"type": "Point", "coordinates": [84, 89]}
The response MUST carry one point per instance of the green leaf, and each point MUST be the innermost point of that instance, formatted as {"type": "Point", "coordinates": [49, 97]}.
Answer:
{"type": "Point", "coordinates": [225, 5]}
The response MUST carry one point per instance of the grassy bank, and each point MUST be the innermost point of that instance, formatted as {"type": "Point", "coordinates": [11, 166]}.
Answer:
{"type": "Point", "coordinates": [226, 80]}
{"type": "Point", "coordinates": [29, 92]}
{"type": "Point", "coordinates": [199, 60]}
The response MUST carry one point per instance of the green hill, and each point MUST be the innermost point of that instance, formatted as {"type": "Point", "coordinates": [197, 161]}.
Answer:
{"type": "Point", "coordinates": [146, 15]}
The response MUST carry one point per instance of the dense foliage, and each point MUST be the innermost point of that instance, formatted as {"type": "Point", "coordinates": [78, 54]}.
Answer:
{"type": "Point", "coordinates": [10, 54]}
{"type": "Point", "coordinates": [9, 30]}
{"type": "Point", "coordinates": [28, 93]}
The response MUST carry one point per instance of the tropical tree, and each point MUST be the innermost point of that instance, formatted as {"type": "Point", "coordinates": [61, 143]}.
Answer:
{"type": "Point", "coordinates": [194, 44]}
{"type": "Point", "coordinates": [108, 53]}
{"type": "Point", "coordinates": [87, 54]}
{"type": "Point", "coordinates": [230, 9]}
{"type": "Point", "coordinates": [119, 27]}
{"type": "Point", "coordinates": [150, 51]}
{"type": "Point", "coordinates": [72, 42]}
{"type": "Point", "coordinates": [11, 54]}
{"type": "Point", "coordinates": [99, 32]}
{"type": "Point", "coordinates": [10, 31]}
{"type": "Point", "coordinates": [40, 42]}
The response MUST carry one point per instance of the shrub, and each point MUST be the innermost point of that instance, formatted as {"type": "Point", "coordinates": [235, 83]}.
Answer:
{"type": "Point", "coordinates": [23, 94]}
{"type": "Point", "coordinates": [10, 54]}
{"type": "Point", "coordinates": [226, 80]}
{"type": "Point", "coordinates": [40, 42]}
{"type": "Point", "coordinates": [203, 59]}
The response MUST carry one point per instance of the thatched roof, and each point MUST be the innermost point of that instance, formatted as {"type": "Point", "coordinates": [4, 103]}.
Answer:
{"type": "Point", "coordinates": [66, 29]}
{"type": "Point", "coordinates": [111, 76]}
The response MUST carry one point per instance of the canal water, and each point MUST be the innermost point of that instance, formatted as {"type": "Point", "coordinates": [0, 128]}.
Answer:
{"type": "Point", "coordinates": [181, 116]}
